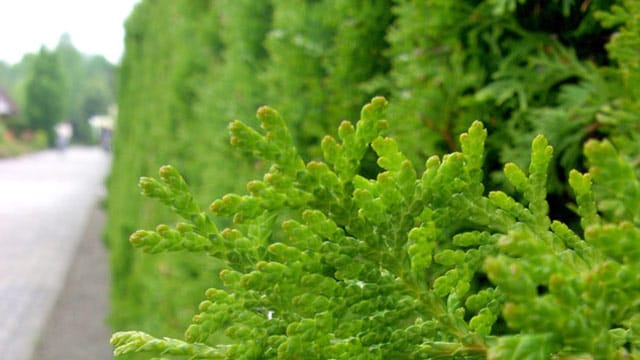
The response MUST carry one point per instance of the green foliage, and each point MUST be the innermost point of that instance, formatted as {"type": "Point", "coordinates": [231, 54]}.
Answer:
{"type": "Point", "coordinates": [618, 117]}
{"type": "Point", "coordinates": [90, 87]}
{"type": "Point", "coordinates": [321, 262]}
{"type": "Point", "coordinates": [232, 90]}
{"type": "Point", "coordinates": [11, 147]}
{"type": "Point", "coordinates": [297, 41]}
{"type": "Point", "coordinates": [524, 67]}
{"type": "Point", "coordinates": [315, 72]}
{"type": "Point", "coordinates": [352, 70]}
{"type": "Point", "coordinates": [85, 86]}
{"type": "Point", "coordinates": [564, 69]}
{"type": "Point", "coordinates": [166, 98]}
{"type": "Point", "coordinates": [45, 102]}
{"type": "Point", "coordinates": [13, 79]}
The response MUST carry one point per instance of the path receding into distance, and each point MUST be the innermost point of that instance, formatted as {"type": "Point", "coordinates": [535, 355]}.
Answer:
{"type": "Point", "coordinates": [48, 204]}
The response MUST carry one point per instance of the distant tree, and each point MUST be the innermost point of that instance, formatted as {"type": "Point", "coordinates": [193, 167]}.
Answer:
{"type": "Point", "coordinates": [13, 81]}
{"type": "Point", "coordinates": [5, 74]}
{"type": "Point", "coordinates": [87, 87]}
{"type": "Point", "coordinates": [17, 85]}
{"type": "Point", "coordinates": [99, 87]}
{"type": "Point", "coordinates": [45, 94]}
{"type": "Point", "coordinates": [71, 67]}
{"type": "Point", "coordinates": [90, 89]}
{"type": "Point", "coordinates": [96, 99]}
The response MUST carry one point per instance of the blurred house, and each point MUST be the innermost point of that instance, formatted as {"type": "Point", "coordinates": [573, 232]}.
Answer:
{"type": "Point", "coordinates": [104, 125]}
{"type": "Point", "coordinates": [8, 107]}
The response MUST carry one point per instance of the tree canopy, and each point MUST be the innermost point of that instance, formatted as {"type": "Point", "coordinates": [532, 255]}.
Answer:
{"type": "Point", "coordinates": [59, 84]}
{"type": "Point", "coordinates": [45, 101]}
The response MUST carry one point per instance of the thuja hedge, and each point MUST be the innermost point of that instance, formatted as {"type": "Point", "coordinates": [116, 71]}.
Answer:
{"type": "Point", "coordinates": [322, 263]}
{"type": "Point", "coordinates": [566, 69]}
{"type": "Point", "coordinates": [172, 49]}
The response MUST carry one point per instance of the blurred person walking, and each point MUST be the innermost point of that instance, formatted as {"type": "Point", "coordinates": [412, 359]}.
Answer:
{"type": "Point", "coordinates": [64, 132]}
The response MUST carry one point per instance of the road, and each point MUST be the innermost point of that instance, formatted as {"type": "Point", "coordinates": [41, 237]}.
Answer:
{"type": "Point", "coordinates": [47, 200]}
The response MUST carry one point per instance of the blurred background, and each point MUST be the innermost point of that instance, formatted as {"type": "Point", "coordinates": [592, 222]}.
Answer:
{"type": "Point", "coordinates": [567, 69]}
{"type": "Point", "coordinates": [58, 82]}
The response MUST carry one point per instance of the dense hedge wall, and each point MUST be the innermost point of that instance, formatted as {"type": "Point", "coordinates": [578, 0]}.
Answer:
{"type": "Point", "coordinates": [565, 69]}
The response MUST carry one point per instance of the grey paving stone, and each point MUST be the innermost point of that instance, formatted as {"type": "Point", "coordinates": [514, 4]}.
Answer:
{"type": "Point", "coordinates": [76, 328]}
{"type": "Point", "coordinates": [45, 202]}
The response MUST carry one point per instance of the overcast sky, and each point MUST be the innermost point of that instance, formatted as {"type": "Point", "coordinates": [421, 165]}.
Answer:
{"type": "Point", "coordinates": [95, 26]}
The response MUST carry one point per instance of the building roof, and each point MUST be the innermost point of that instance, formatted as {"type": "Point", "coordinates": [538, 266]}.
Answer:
{"type": "Point", "coordinates": [7, 105]}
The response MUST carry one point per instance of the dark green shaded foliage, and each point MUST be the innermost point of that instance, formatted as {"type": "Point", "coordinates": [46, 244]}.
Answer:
{"type": "Point", "coordinates": [44, 99]}
{"type": "Point", "coordinates": [322, 263]}
{"type": "Point", "coordinates": [523, 67]}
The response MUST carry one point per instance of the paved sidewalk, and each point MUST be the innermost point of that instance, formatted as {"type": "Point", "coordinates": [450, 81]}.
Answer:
{"type": "Point", "coordinates": [45, 202]}
{"type": "Point", "coordinates": [76, 328]}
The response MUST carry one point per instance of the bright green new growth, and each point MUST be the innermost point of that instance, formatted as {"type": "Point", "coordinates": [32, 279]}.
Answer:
{"type": "Point", "coordinates": [322, 263]}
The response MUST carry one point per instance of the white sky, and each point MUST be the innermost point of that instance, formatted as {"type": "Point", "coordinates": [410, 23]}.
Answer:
{"type": "Point", "coordinates": [95, 26]}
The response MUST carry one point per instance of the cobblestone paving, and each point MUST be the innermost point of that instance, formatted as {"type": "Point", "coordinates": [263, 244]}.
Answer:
{"type": "Point", "coordinates": [45, 201]}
